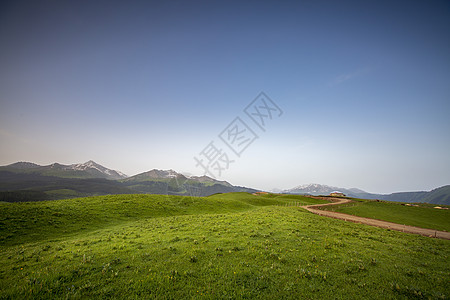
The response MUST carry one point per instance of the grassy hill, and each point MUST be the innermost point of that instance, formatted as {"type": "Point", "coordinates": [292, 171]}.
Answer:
{"type": "Point", "coordinates": [226, 246]}
{"type": "Point", "coordinates": [440, 195]}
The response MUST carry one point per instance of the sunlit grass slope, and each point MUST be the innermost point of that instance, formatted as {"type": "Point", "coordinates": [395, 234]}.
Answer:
{"type": "Point", "coordinates": [33, 221]}
{"type": "Point", "coordinates": [226, 246]}
{"type": "Point", "coordinates": [424, 215]}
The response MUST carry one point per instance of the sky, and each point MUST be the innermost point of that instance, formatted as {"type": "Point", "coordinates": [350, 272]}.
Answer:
{"type": "Point", "coordinates": [355, 93]}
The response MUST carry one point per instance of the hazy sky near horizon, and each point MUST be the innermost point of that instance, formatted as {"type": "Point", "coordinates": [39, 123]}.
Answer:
{"type": "Point", "coordinates": [364, 87]}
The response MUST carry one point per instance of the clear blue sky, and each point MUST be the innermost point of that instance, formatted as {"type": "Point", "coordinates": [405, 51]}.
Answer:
{"type": "Point", "coordinates": [134, 85]}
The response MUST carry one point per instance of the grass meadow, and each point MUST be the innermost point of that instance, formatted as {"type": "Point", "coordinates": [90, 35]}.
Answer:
{"type": "Point", "coordinates": [424, 215]}
{"type": "Point", "coordinates": [226, 246]}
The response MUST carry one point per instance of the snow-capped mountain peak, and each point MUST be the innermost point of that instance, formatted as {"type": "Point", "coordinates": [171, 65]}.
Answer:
{"type": "Point", "coordinates": [86, 165]}
{"type": "Point", "coordinates": [313, 188]}
{"type": "Point", "coordinates": [322, 189]}
{"type": "Point", "coordinates": [93, 167]}
{"type": "Point", "coordinates": [162, 174]}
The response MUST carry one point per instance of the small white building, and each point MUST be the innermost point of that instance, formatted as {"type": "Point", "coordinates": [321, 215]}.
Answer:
{"type": "Point", "coordinates": [337, 194]}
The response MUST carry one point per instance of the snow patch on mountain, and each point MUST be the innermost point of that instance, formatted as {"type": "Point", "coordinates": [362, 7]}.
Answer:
{"type": "Point", "coordinates": [91, 166]}
{"type": "Point", "coordinates": [23, 165]}
{"type": "Point", "coordinates": [322, 189]}
{"type": "Point", "coordinates": [312, 188]}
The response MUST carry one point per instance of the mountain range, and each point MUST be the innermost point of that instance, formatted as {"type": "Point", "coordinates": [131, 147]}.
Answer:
{"type": "Point", "coordinates": [85, 170]}
{"type": "Point", "coordinates": [26, 181]}
{"type": "Point", "coordinates": [440, 195]}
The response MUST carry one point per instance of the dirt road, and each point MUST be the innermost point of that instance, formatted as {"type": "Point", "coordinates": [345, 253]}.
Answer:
{"type": "Point", "coordinates": [373, 222]}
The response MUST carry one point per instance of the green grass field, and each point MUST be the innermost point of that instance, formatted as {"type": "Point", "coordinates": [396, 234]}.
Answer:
{"type": "Point", "coordinates": [425, 216]}
{"type": "Point", "coordinates": [226, 246]}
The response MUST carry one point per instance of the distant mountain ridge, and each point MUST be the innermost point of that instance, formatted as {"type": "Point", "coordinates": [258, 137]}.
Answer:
{"type": "Point", "coordinates": [170, 174]}
{"type": "Point", "coordinates": [322, 189]}
{"type": "Point", "coordinates": [173, 183]}
{"type": "Point", "coordinates": [89, 169]}
{"type": "Point", "coordinates": [23, 165]}
{"type": "Point", "coordinates": [439, 195]}
{"type": "Point", "coordinates": [313, 189]}
{"type": "Point", "coordinates": [153, 174]}
{"type": "Point", "coordinates": [26, 181]}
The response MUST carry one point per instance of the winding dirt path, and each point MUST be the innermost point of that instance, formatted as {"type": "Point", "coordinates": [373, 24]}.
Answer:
{"type": "Point", "coordinates": [372, 222]}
